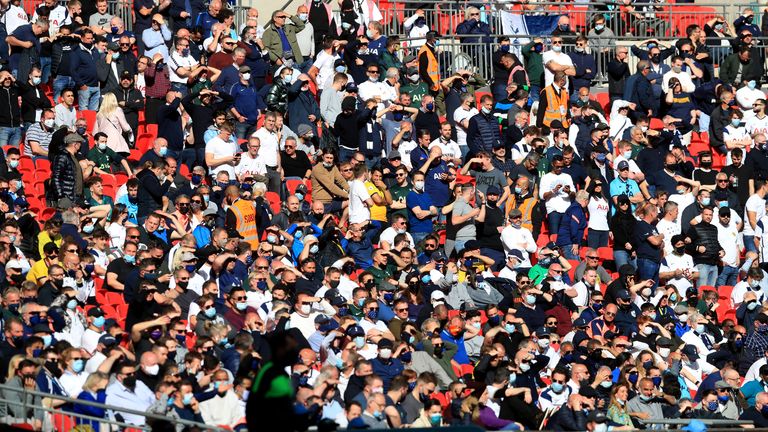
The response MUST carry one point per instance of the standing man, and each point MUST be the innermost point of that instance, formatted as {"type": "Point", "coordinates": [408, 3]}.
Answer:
{"type": "Point", "coordinates": [554, 102]}
{"type": "Point", "coordinates": [429, 69]}
{"type": "Point", "coordinates": [280, 39]}
{"type": "Point", "coordinates": [241, 216]}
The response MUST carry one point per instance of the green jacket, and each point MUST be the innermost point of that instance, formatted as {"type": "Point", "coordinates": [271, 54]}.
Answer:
{"type": "Point", "coordinates": [272, 41]}
{"type": "Point", "coordinates": [534, 64]}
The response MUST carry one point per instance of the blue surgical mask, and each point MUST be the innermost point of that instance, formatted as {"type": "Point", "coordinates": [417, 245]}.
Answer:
{"type": "Point", "coordinates": [98, 322]}
{"type": "Point", "coordinates": [735, 122]}
{"type": "Point", "coordinates": [430, 106]}
{"type": "Point", "coordinates": [705, 201]}
{"type": "Point", "coordinates": [47, 340]}
{"type": "Point", "coordinates": [426, 278]}
{"type": "Point", "coordinates": [359, 341]}
{"type": "Point", "coordinates": [557, 387]}
{"type": "Point", "coordinates": [72, 304]}
{"type": "Point", "coordinates": [241, 306]}
{"type": "Point", "coordinates": [129, 259]}
{"type": "Point", "coordinates": [752, 84]}
{"type": "Point", "coordinates": [210, 312]}
{"type": "Point", "coordinates": [78, 365]}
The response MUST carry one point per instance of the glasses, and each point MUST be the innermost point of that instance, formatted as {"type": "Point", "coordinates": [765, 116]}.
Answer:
{"type": "Point", "coordinates": [557, 42]}
{"type": "Point", "coordinates": [196, 202]}
{"type": "Point", "coordinates": [239, 298]}
{"type": "Point", "coordinates": [72, 250]}
{"type": "Point", "coordinates": [261, 267]}
{"type": "Point", "coordinates": [373, 309]}
{"type": "Point", "coordinates": [347, 170]}
{"type": "Point", "coordinates": [516, 217]}
{"type": "Point", "coordinates": [725, 216]}
{"type": "Point", "coordinates": [400, 175]}
{"type": "Point", "coordinates": [227, 43]}
{"type": "Point", "coordinates": [375, 72]}
{"type": "Point", "coordinates": [557, 271]}
{"type": "Point", "coordinates": [401, 310]}
{"type": "Point", "coordinates": [524, 282]}
{"type": "Point", "coordinates": [723, 181]}
{"type": "Point", "coordinates": [132, 236]}
{"type": "Point", "coordinates": [281, 17]}
{"type": "Point", "coordinates": [474, 14]}
{"type": "Point", "coordinates": [593, 257]}
{"type": "Point", "coordinates": [127, 45]}
{"type": "Point", "coordinates": [610, 314]}
{"type": "Point", "coordinates": [552, 323]}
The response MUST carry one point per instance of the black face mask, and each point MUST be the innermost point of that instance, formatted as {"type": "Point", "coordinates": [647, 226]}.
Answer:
{"type": "Point", "coordinates": [53, 368]}
{"type": "Point", "coordinates": [655, 58]}
{"type": "Point", "coordinates": [130, 383]}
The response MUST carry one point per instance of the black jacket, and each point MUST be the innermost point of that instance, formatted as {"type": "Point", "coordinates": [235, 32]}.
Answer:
{"type": "Point", "coordinates": [704, 234]}
{"type": "Point", "coordinates": [10, 113]}
{"type": "Point", "coordinates": [202, 115]}
{"type": "Point", "coordinates": [134, 102]}
{"type": "Point", "coordinates": [150, 192]}
{"type": "Point", "coordinates": [32, 99]}
{"type": "Point", "coordinates": [618, 72]}
{"type": "Point", "coordinates": [63, 177]}
{"type": "Point", "coordinates": [568, 419]}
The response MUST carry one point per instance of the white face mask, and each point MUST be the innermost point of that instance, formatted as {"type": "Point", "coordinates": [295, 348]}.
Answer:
{"type": "Point", "coordinates": [647, 330]}
{"type": "Point", "coordinates": [664, 352]}
{"type": "Point", "coordinates": [305, 309]}
{"type": "Point", "coordinates": [246, 76]}
{"type": "Point", "coordinates": [152, 370]}
{"type": "Point", "coordinates": [418, 185]}
{"type": "Point", "coordinates": [48, 123]}
{"type": "Point", "coordinates": [385, 353]}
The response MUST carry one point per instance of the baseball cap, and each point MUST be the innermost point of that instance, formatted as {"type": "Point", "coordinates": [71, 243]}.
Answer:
{"type": "Point", "coordinates": [244, 69]}
{"type": "Point", "coordinates": [188, 256]}
{"type": "Point", "coordinates": [623, 165]}
{"type": "Point", "coordinates": [303, 129]}
{"type": "Point", "coordinates": [107, 340]}
{"type": "Point", "coordinates": [394, 154]}
{"type": "Point", "coordinates": [438, 256]}
{"type": "Point", "coordinates": [515, 253]}
{"type": "Point", "coordinates": [493, 190]}
{"type": "Point", "coordinates": [13, 264]}
{"type": "Point", "coordinates": [95, 312]}
{"type": "Point", "coordinates": [681, 309]}
{"type": "Point", "coordinates": [691, 352]}
{"type": "Point", "coordinates": [355, 330]}
{"type": "Point", "coordinates": [437, 295]}
{"type": "Point", "coordinates": [623, 295]}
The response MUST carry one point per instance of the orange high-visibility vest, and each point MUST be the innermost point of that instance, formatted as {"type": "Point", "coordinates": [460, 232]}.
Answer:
{"type": "Point", "coordinates": [246, 221]}
{"type": "Point", "coordinates": [433, 69]}
{"type": "Point", "coordinates": [557, 106]}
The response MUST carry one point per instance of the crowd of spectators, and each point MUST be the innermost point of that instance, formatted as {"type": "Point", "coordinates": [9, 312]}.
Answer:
{"type": "Point", "coordinates": [302, 220]}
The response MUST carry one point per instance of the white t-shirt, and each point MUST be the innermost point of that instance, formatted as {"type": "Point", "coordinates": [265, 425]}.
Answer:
{"type": "Point", "coordinates": [405, 148]}
{"type": "Point", "coordinates": [582, 294]}
{"type": "Point", "coordinates": [57, 17]}
{"type": "Point", "coordinates": [673, 262]}
{"type": "Point", "coordinates": [745, 97]}
{"type": "Point", "coordinates": [450, 148]}
{"type": "Point", "coordinates": [388, 235]}
{"type": "Point", "coordinates": [370, 89]}
{"type": "Point", "coordinates": [598, 214]}
{"type": "Point", "coordinates": [682, 201]}
{"type": "Point", "coordinates": [269, 146]}
{"type": "Point", "coordinates": [740, 290]}
{"type": "Point", "coordinates": [324, 64]}
{"type": "Point", "coordinates": [755, 125]}
{"type": "Point", "coordinates": [757, 205]}
{"type": "Point", "coordinates": [731, 240]}
{"type": "Point", "coordinates": [560, 58]}
{"type": "Point", "coordinates": [520, 239]}
{"type": "Point", "coordinates": [13, 18]}
{"type": "Point", "coordinates": [459, 116]}
{"type": "Point", "coordinates": [731, 133]}
{"type": "Point", "coordinates": [220, 148]}
{"type": "Point", "coordinates": [560, 201]}
{"type": "Point", "coordinates": [669, 229]}
{"type": "Point", "coordinates": [358, 195]}
{"type": "Point", "coordinates": [175, 61]}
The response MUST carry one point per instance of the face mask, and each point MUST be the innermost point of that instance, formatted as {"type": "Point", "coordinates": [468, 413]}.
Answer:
{"type": "Point", "coordinates": [683, 318]}
{"type": "Point", "coordinates": [210, 312]}
{"type": "Point", "coordinates": [373, 314]}
{"type": "Point", "coordinates": [664, 352]}
{"type": "Point", "coordinates": [735, 122]}
{"type": "Point", "coordinates": [557, 48]}
{"type": "Point", "coordinates": [130, 382]}
{"type": "Point", "coordinates": [705, 202]}
{"type": "Point", "coordinates": [435, 419]}
{"type": "Point", "coordinates": [627, 154]}
{"type": "Point", "coordinates": [385, 353]}
{"type": "Point", "coordinates": [418, 185]}
{"type": "Point", "coordinates": [677, 69]}
{"type": "Point", "coordinates": [655, 58]}
{"type": "Point", "coordinates": [430, 106]}
{"type": "Point", "coordinates": [36, 80]}
{"type": "Point", "coordinates": [752, 305]}
{"type": "Point", "coordinates": [753, 283]}
{"type": "Point", "coordinates": [712, 406]}
{"type": "Point", "coordinates": [115, 56]}
{"type": "Point", "coordinates": [543, 343]}
{"type": "Point", "coordinates": [599, 27]}
{"type": "Point", "coordinates": [98, 322]}
{"type": "Point", "coordinates": [646, 292]}
{"type": "Point", "coordinates": [632, 377]}
{"type": "Point", "coordinates": [241, 306]}
{"type": "Point", "coordinates": [525, 367]}
{"type": "Point", "coordinates": [557, 277]}
{"type": "Point", "coordinates": [426, 279]}
{"type": "Point", "coordinates": [580, 49]}
{"type": "Point", "coordinates": [673, 297]}
{"type": "Point", "coordinates": [648, 331]}
{"type": "Point", "coordinates": [485, 110]}
{"type": "Point", "coordinates": [78, 365]}
{"type": "Point", "coordinates": [341, 69]}
{"type": "Point", "coordinates": [700, 328]}
{"type": "Point", "coordinates": [509, 328]}
{"type": "Point", "coordinates": [49, 123]}
{"type": "Point", "coordinates": [359, 341]}
{"type": "Point", "coordinates": [752, 84]}
{"type": "Point", "coordinates": [530, 299]}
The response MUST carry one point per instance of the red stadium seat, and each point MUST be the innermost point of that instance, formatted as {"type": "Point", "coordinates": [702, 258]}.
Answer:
{"type": "Point", "coordinates": [292, 184]}
{"type": "Point", "coordinates": [274, 201]}
{"type": "Point", "coordinates": [150, 129]}
{"type": "Point", "coordinates": [724, 291]}
{"type": "Point", "coordinates": [90, 118]}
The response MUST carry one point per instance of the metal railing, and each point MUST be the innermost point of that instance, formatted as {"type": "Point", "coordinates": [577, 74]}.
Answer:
{"type": "Point", "coordinates": [60, 420]}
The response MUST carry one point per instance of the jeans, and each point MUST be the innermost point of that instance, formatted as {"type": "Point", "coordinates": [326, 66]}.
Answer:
{"type": "Point", "coordinates": [749, 242]}
{"type": "Point", "coordinates": [533, 94]}
{"type": "Point", "coordinates": [241, 129]}
{"type": "Point", "coordinates": [372, 161]}
{"type": "Point", "coordinates": [499, 90]}
{"type": "Point", "coordinates": [596, 239]}
{"type": "Point", "coordinates": [728, 276]}
{"type": "Point", "coordinates": [345, 154]}
{"type": "Point", "coordinates": [419, 236]}
{"type": "Point", "coordinates": [568, 252]}
{"type": "Point", "coordinates": [707, 274]}
{"type": "Point", "coordinates": [45, 70]}
{"type": "Point", "coordinates": [553, 219]}
{"type": "Point", "coordinates": [181, 88]}
{"type": "Point", "coordinates": [648, 269]}
{"type": "Point", "coordinates": [10, 135]}
{"type": "Point", "coordinates": [60, 83]}
{"type": "Point", "coordinates": [89, 98]}
{"type": "Point", "coordinates": [621, 257]}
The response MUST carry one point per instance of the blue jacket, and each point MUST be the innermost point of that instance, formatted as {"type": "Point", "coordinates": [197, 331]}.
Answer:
{"type": "Point", "coordinates": [205, 21]}
{"type": "Point", "coordinates": [573, 224]}
{"type": "Point", "coordinates": [83, 66]}
{"type": "Point", "coordinates": [387, 370]}
{"type": "Point", "coordinates": [101, 397]}
{"type": "Point", "coordinates": [228, 77]}
{"type": "Point", "coordinates": [582, 62]}
{"type": "Point", "coordinates": [483, 133]}
{"type": "Point", "coordinates": [247, 102]}
{"type": "Point", "coordinates": [474, 27]}
{"type": "Point", "coordinates": [300, 106]}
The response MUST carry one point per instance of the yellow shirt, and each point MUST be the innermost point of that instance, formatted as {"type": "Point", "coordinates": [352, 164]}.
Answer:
{"type": "Point", "coordinates": [378, 212]}
{"type": "Point", "coordinates": [43, 239]}
{"type": "Point", "coordinates": [39, 270]}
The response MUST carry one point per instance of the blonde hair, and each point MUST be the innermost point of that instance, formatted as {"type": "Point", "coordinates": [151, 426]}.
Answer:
{"type": "Point", "coordinates": [94, 379]}
{"type": "Point", "coordinates": [13, 365]}
{"type": "Point", "coordinates": [469, 11]}
{"type": "Point", "coordinates": [108, 105]}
